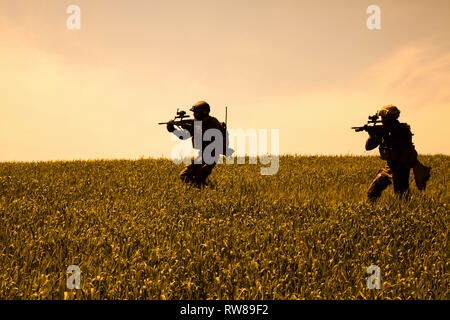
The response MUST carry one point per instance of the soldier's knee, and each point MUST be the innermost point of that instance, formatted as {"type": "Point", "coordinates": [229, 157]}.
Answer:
{"type": "Point", "coordinates": [374, 193]}
{"type": "Point", "coordinates": [380, 183]}
{"type": "Point", "coordinates": [184, 173]}
{"type": "Point", "coordinates": [382, 180]}
{"type": "Point", "coordinates": [187, 174]}
{"type": "Point", "coordinates": [186, 178]}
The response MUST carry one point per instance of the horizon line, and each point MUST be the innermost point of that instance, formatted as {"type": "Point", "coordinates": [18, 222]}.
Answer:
{"type": "Point", "coordinates": [305, 155]}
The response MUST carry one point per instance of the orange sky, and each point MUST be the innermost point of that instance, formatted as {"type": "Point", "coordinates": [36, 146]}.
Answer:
{"type": "Point", "coordinates": [309, 68]}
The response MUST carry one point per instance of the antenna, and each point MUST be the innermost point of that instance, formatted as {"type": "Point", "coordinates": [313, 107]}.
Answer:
{"type": "Point", "coordinates": [226, 114]}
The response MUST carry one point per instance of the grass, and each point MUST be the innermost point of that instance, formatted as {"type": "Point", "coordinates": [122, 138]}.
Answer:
{"type": "Point", "coordinates": [137, 232]}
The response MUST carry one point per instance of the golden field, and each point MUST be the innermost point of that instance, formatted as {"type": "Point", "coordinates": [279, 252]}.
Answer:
{"type": "Point", "coordinates": [137, 232]}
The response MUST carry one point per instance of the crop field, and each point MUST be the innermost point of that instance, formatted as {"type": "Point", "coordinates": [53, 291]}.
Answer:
{"type": "Point", "coordinates": [137, 232]}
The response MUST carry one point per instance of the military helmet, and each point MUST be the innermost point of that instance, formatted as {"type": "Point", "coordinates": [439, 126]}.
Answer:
{"type": "Point", "coordinates": [201, 106]}
{"type": "Point", "coordinates": [389, 112]}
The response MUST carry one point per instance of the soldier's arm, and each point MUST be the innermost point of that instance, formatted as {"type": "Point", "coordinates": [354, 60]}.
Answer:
{"type": "Point", "coordinates": [372, 142]}
{"type": "Point", "coordinates": [170, 126]}
{"type": "Point", "coordinates": [189, 127]}
{"type": "Point", "coordinates": [186, 131]}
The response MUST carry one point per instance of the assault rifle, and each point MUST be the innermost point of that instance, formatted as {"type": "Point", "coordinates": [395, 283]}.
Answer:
{"type": "Point", "coordinates": [373, 126]}
{"type": "Point", "coordinates": [181, 116]}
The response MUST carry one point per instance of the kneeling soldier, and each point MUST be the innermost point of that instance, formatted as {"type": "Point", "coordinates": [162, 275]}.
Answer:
{"type": "Point", "coordinates": [396, 147]}
{"type": "Point", "coordinates": [198, 171]}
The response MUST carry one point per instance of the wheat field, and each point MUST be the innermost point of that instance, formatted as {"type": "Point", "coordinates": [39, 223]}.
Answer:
{"type": "Point", "coordinates": [137, 232]}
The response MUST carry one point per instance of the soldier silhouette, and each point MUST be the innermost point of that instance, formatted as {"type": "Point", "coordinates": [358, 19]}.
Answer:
{"type": "Point", "coordinates": [396, 147]}
{"type": "Point", "coordinates": [198, 170]}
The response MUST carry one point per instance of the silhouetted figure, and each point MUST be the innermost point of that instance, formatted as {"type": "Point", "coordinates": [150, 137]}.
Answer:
{"type": "Point", "coordinates": [396, 147]}
{"type": "Point", "coordinates": [197, 173]}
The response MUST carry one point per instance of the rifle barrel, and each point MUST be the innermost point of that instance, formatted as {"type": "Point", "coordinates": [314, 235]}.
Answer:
{"type": "Point", "coordinates": [358, 129]}
{"type": "Point", "coordinates": [178, 122]}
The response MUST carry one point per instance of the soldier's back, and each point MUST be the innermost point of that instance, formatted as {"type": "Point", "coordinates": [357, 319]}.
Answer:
{"type": "Point", "coordinates": [398, 143]}
{"type": "Point", "coordinates": [211, 123]}
{"type": "Point", "coordinates": [399, 136]}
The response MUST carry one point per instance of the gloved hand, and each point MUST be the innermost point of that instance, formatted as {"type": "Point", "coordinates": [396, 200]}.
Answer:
{"type": "Point", "coordinates": [373, 135]}
{"type": "Point", "coordinates": [170, 126]}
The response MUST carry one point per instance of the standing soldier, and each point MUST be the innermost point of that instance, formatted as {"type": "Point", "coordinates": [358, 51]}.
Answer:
{"type": "Point", "coordinates": [396, 147]}
{"type": "Point", "coordinates": [197, 171]}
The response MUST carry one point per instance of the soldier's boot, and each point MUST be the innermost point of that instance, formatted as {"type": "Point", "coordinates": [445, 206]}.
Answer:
{"type": "Point", "coordinates": [187, 179]}
{"type": "Point", "coordinates": [381, 182]}
{"type": "Point", "coordinates": [421, 175]}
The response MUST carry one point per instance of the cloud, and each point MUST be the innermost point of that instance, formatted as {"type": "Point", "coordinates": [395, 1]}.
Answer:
{"type": "Point", "coordinates": [419, 73]}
